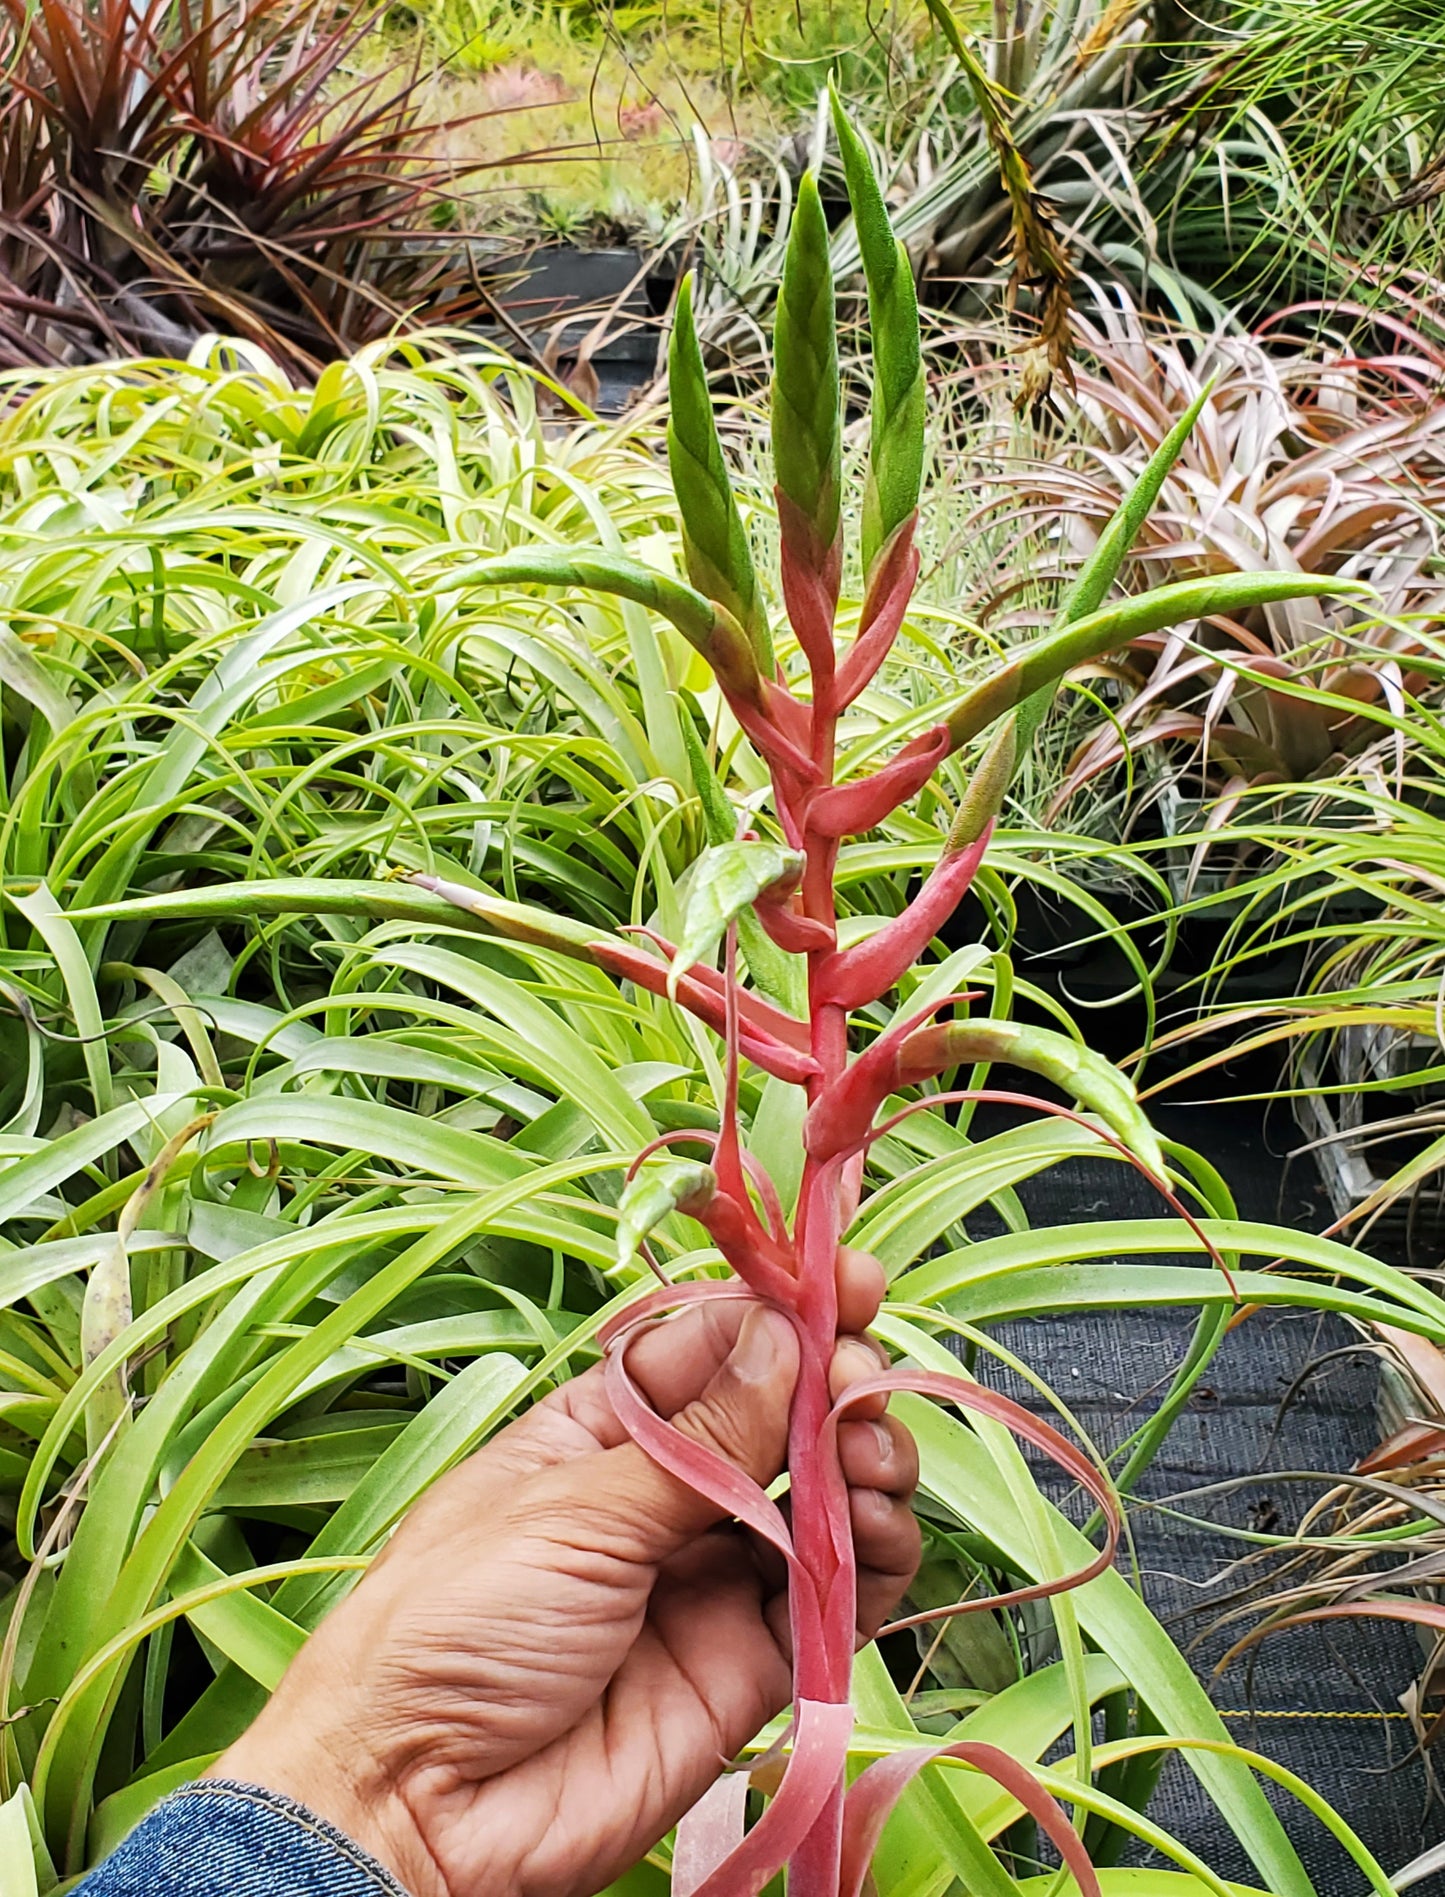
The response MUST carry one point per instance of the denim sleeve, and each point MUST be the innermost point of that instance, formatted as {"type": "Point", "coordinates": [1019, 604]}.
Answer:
{"type": "Point", "coordinates": [220, 1839]}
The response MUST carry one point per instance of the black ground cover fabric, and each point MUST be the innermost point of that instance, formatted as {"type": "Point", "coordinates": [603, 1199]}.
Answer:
{"type": "Point", "coordinates": [1323, 1700]}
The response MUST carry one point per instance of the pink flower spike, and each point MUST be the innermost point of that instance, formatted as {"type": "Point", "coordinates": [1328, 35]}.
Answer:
{"type": "Point", "coordinates": [875, 1792]}
{"type": "Point", "coordinates": [850, 809]}
{"type": "Point", "coordinates": [702, 999]}
{"type": "Point", "coordinates": [861, 974]}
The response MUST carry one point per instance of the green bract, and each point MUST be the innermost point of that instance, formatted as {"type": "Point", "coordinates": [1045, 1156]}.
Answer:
{"type": "Point", "coordinates": [715, 542]}
{"type": "Point", "coordinates": [806, 417]}
{"type": "Point", "coordinates": [661, 1187]}
{"type": "Point", "coordinates": [895, 462]}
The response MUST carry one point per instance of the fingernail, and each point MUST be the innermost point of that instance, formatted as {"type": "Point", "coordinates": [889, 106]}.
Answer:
{"type": "Point", "coordinates": [755, 1354]}
{"type": "Point", "coordinates": [884, 1437]}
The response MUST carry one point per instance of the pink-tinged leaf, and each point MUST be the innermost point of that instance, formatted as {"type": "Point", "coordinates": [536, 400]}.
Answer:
{"type": "Point", "coordinates": [1033, 1429]}
{"type": "Point", "coordinates": [759, 1016]}
{"type": "Point", "coordinates": [810, 576]}
{"type": "Point", "coordinates": [774, 1040]}
{"type": "Point", "coordinates": [820, 1752]}
{"type": "Point", "coordinates": [851, 809]}
{"type": "Point", "coordinates": [875, 1792]}
{"type": "Point", "coordinates": [890, 589]}
{"type": "Point", "coordinates": [709, 1833]}
{"type": "Point", "coordinates": [861, 974]}
{"type": "Point", "coordinates": [663, 1302]}
{"type": "Point", "coordinates": [698, 994]}
{"type": "Point", "coordinates": [1421, 1613]}
{"type": "Point", "coordinates": [792, 716]}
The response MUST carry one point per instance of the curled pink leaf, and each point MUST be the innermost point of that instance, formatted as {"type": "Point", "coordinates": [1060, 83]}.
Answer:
{"type": "Point", "coordinates": [731, 1491]}
{"type": "Point", "coordinates": [875, 1792]}
{"type": "Point", "coordinates": [814, 1772]}
{"type": "Point", "coordinates": [978, 1398]}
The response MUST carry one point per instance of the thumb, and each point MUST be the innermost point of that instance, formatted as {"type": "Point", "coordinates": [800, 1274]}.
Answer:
{"type": "Point", "coordinates": [741, 1415]}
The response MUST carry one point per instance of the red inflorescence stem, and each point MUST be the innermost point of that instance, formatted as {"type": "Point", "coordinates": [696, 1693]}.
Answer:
{"type": "Point", "coordinates": [813, 1825]}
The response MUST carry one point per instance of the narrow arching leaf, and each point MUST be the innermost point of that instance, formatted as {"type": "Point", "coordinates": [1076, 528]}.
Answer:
{"type": "Point", "coordinates": [1095, 1082]}
{"type": "Point", "coordinates": [708, 627]}
{"type": "Point", "coordinates": [1047, 659]}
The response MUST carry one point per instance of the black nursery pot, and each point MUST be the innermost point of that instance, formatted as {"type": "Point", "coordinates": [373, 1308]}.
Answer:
{"type": "Point", "coordinates": [556, 294]}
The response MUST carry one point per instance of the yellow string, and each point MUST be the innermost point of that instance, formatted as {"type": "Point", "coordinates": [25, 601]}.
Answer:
{"type": "Point", "coordinates": [1270, 1712]}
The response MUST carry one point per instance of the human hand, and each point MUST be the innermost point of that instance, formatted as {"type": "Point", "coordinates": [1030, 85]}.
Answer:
{"type": "Point", "coordinates": [561, 1645]}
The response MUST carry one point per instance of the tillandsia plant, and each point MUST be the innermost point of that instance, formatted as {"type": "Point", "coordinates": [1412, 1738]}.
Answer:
{"type": "Point", "coordinates": [775, 890]}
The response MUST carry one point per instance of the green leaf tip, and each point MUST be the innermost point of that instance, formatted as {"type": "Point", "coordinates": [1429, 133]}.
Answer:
{"type": "Point", "coordinates": [895, 461]}
{"type": "Point", "coordinates": [987, 788]}
{"type": "Point", "coordinates": [1094, 579]}
{"type": "Point", "coordinates": [661, 1187]}
{"type": "Point", "coordinates": [715, 541]}
{"type": "Point", "coordinates": [807, 422]}
{"type": "Point", "coordinates": [706, 625]}
{"type": "Point", "coordinates": [726, 881]}
{"type": "Point", "coordinates": [1101, 569]}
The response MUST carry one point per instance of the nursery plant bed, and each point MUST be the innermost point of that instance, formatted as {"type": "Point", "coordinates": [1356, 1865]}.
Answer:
{"type": "Point", "coordinates": [1217, 875]}
{"type": "Point", "coordinates": [1339, 1124]}
{"type": "Point", "coordinates": [1321, 1701]}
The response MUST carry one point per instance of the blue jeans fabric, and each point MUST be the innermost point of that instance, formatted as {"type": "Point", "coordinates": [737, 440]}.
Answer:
{"type": "Point", "coordinates": [220, 1839]}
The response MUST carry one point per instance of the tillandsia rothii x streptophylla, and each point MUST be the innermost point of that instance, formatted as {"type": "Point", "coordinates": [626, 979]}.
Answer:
{"type": "Point", "coordinates": [776, 893]}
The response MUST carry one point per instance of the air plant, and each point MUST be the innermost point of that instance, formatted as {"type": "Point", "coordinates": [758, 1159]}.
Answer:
{"type": "Point", "coordinates": [1318, 459]}
{"type": "Point", "coordinates": [773, 887]}
{"type": "Point", "coordinates": [168, 169]}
